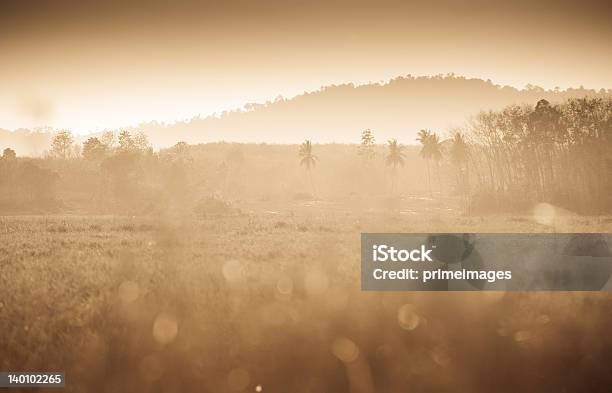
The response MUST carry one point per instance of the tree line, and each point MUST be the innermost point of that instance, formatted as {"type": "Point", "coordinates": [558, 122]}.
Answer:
{"type": "Point", "coordinates": [113, 161]}
{"type": "Point", "coordinates": [560, 154]}
{"type": "Point", "coordinates": [501, 160]}
{"type": "Point", "coordinates": [515, 157]}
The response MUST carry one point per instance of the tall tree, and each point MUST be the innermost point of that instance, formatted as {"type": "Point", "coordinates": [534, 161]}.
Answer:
{"type": "Point", "coordinates": [366, 149]}
{"type": "Point", "coordinates": [141, 141]}
{"type": "Point", "coordinates": [435, 149]}
{"type": "Point", "coordinates": [395, 159]}
{"type": "Point", "coordinates": [138, 143]}
{"type": "Point", "coordinates": [93, 149]}
{"type": "Point", "coordinates": [423, 137]}
{"type": "Point", "coordinates": [309, 160]}
{"type": "Point", "coordinates": [459, 159]}
{"type": "Point", "coordinates": [126, 142]}
{"type": "Point", "coordinates": [431, 150]}
{"type": "Point", "coordinates": [108, 139]}
{"type": "Point", "coordinates": [61, 146]}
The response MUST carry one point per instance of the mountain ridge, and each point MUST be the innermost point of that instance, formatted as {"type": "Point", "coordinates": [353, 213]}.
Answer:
{"type": "Point", "coordinates": [397, 108]}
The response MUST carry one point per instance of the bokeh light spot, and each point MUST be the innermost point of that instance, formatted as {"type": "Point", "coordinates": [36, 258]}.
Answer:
{"type": "Point", "coordinates": [165, 328]}
{"type": "Point", "coordinates": [408, 319]}
{"type": "Point", "coordinates": [544, 213]}
{"type": "Point", "coordinates": [345, 349]}
{"type": "Point", "coordinates": [522, 336]}
{"type": "Point", "coordinates": [440, 356]}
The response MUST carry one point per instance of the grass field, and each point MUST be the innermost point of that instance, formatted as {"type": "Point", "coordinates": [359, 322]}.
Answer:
{"type": "Point", "coordinates": [269, 300]}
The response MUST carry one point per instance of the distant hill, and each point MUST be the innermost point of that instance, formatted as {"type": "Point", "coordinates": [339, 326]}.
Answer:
{"type": "Point", "coordinates": [338, 113]}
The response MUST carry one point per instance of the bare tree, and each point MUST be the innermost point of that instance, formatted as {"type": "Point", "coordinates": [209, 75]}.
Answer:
{"type": "Point", "coordinates": [525, 154]}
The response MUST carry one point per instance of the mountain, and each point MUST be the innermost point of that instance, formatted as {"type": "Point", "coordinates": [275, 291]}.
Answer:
{"type": "Point", "coordinates": [338, 113]}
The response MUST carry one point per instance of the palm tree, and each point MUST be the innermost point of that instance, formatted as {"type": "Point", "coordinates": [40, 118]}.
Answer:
{"type": "Point", "coordinates": [308, 160]}
{"type": "Point", "coordinates": [423, 137]}
{"type": "Point", "coordinates": [431, 150]}
{"type": "Point", "coordinates": [458, 152]}
{"type": "Point", "coordinates": [459, 158]}
{"type": "Point", "coordinates": [394, 159]}
{"type": "Point", "coordinates": [435, 151]}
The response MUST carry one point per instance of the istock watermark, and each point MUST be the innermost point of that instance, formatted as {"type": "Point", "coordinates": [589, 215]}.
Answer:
{"type": "Point", "coordinates": [498, 262]}
{"type": "Point", "coordinates": [383, 253]}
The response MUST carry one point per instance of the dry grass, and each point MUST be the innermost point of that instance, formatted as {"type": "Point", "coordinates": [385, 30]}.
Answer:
{"type": "Point", "coordinates": [272, 298]}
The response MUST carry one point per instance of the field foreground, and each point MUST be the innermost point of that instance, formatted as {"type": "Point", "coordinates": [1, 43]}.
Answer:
{"type": "Point", "coordinates": [270, 301]}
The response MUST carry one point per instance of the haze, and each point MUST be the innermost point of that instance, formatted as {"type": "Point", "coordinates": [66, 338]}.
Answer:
{"type": "Point", "coordinates": [87, 66]}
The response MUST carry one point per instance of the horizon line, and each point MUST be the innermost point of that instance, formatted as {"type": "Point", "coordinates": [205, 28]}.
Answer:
{"type": "Point", "coordinates": [382, 82]}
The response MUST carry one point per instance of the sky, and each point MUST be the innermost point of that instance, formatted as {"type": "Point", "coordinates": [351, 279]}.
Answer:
{"type": "Point", "coordinates": [92, 65]}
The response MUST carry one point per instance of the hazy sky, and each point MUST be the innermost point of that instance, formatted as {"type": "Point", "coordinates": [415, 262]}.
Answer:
{"type": "Point", "coordinates": [88, 65]}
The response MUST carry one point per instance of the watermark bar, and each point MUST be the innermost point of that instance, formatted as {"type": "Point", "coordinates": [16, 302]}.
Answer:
{"type": "Point", "coordinates": [486, 261]}
{"type": "Point", "coordinates": [32, 379]}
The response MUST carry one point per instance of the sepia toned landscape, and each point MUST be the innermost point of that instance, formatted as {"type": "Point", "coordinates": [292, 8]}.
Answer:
{"type": "Point", "coordinates": [220, 250]}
